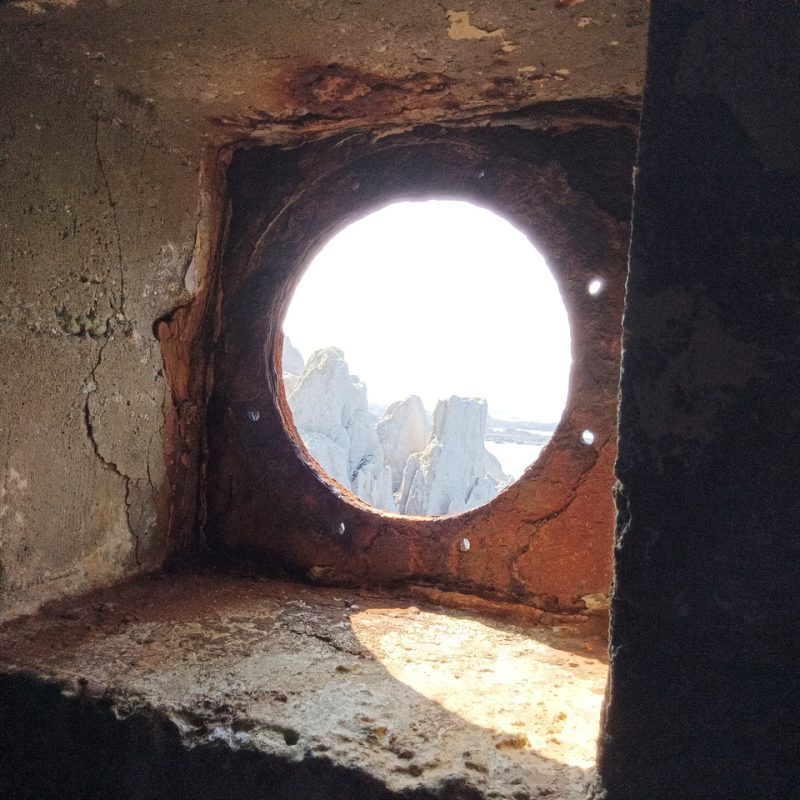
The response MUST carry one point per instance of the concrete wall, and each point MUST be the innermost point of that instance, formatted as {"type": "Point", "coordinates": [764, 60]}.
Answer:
{"type": "Point", "coordinates": [109, 108]}
{"type": "Point", "coordinates": [97, 224]}
{"type": "Point", "coordinates": [705, 646]}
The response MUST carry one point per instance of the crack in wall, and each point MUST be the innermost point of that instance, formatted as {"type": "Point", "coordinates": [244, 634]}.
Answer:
{"type": "Point", "coordinates": [117, 315]}
{"type": "Point", "coordinates": [543, 520]}
{"type": "Point", "coordinates": [107, 464]}
{"type": "Point", "coordinates": [373, 539]}
{"type": "Point", "coordinates": [153, 488]}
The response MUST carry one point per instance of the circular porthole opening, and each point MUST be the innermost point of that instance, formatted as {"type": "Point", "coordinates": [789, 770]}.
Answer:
{"type": "Point", "coordinates": [426, 356]}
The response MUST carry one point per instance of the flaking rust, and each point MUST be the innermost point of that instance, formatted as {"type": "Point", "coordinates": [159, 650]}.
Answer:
{"type": "Point", "coordinates": [337, 90]}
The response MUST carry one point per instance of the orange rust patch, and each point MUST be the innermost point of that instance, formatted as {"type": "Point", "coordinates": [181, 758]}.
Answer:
{"type": "Point", "coordinates": [336, 89]}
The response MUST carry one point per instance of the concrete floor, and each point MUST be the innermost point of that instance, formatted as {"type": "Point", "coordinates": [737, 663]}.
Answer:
{"type": "Point", "coordinates": [409, 693]}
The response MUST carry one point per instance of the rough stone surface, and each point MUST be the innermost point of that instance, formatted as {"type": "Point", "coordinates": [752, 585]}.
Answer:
{"type": "Point", "coordinates": [292, 360]}
{"type": "Point", "coordinates": [97, 226]}
{"type": "Point", "coordinates": [120, 120]}
{"type": "Point", "coordinates": [454, 472]}
{"type": "Point", "coordinates": [246, 67]}
{"type": "Point", "coordinates": [329, 408]}
{"type": "Point", "coordinates": [404, 429]}
{"type": "Point", "coordinates": [704, 695]}
{"type": "Point", "coordinates": [446, 470]}
{"type": "Point", "coordinates": [222, 687]}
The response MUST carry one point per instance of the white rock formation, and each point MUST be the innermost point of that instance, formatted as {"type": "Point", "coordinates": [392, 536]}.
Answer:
{"type": "Point", "coordinates": [454, 472]}
{"type": "Point", "coordinates": [403, 430]}
{"type": "Point", "coordinates": [293, 365]}
{"type": "Point", "coordinates": [398, 464]}
{"type": "Point", "coordinates": [292, 359]}
{"type": "Point", "coordinates": [329, 408]}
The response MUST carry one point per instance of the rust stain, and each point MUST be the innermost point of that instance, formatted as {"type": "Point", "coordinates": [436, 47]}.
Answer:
{"type": "Point", "coordinates": [338, 90]}
{"type": "Point", "coordinates": [544, 543]}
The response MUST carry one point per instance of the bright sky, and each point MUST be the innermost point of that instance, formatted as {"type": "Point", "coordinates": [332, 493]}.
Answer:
{"type": "Point", "coordinates": [436, 298]}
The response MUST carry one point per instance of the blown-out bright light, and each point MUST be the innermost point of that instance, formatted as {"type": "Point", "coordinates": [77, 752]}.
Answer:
{"type": "Point", "coordinates": [437, 298]}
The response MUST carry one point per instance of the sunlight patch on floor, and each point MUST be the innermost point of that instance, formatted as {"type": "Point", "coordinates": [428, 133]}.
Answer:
{"type": "Point", "coordinates": [523, 687]}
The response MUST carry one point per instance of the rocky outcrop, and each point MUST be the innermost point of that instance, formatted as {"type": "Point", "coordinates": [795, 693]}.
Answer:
{"type": "Point", "coordinates": [403, 430]}
{"type": "Point", "coordinates": [454, 472]}
{"type": "Point", "coordinates": [398, 463]}
{"type": "Point", "coordinates": [292, 360]}
{"type": "Point", "coordinates": [329, 408]}
{"type": "Point", "coordinates": [293, 365]}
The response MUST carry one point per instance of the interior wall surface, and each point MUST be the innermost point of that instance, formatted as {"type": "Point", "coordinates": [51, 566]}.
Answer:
{"type": "Point", "coordinates": [547, 538]}
{"type": "Point", "coordinates": [98, 219]}
{"type": "Point", "coordinates": [108, 110]}
{"type": "Point", "coordinates": [705, 640]}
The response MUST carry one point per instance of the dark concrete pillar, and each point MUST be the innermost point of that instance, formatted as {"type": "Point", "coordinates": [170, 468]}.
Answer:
{"type": "Point", "coordinates": [704, 698]}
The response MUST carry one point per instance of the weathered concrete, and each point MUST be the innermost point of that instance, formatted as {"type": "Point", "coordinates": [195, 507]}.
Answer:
{"type": "Point", "coordinates": [704, 696]}
{"type": "Point", "coordinates": [118, 120]}
{"type": "Point", "coordinates": [98, 226]}
{"type": "Point", "coordinates": [239, 67]}
{"type": "Point", "coordinates": [230, 687]}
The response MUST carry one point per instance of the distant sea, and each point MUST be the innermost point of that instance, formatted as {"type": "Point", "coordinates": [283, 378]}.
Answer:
{"type": "Point", "coordinates": [514, 458]}
{"type": "Point", "coordinates": [517, 444]}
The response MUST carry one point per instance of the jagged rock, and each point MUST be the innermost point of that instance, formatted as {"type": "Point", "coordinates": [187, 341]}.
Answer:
{"type": "Point", "coordinates": [330, 412]}
{"type": "Point", "coordinates": [454, 472]}
{"type": "Point", "coordinates": [293, 365]}
{"type": "Point", "coordinates": [403, 430]}
{"type": "Point", "coordinates": [292, 359]}
{"type": "Point", "coordinates": [445, 472]}
{"type": "Point", "coordinates": [290, 382]}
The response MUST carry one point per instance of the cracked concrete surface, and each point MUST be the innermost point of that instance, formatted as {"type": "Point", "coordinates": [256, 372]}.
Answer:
{"type": "Point", "coordinates": [115, 108]}
{"type": "Point", "coordinates": [411, 695]}
{"type": "Point", "coordinates": [97, 226]}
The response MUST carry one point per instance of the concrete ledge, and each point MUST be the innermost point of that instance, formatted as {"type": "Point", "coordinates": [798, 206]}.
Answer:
{"type": "Point", "coordinates": [226, 686]}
